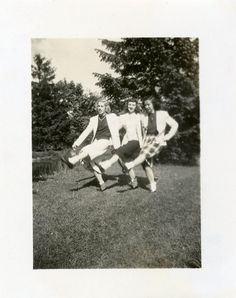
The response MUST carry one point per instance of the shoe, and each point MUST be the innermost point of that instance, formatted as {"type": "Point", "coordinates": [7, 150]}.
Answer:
{"type": "Point", "coordinates": [103, 186]}
{"type": "Point", "coordinates": [65, 158]}
{"type": "Point", "coordinates": [134, 183]}
{"type": "Point", "coordinates": [153, 187]}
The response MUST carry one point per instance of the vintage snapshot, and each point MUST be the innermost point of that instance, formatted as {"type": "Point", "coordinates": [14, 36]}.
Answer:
{"type": "Point", "coordinates": [116, 153]}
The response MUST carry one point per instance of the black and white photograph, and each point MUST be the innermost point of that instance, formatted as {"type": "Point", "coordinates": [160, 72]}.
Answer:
{"type": "Point", "coordinates": [116, 153]}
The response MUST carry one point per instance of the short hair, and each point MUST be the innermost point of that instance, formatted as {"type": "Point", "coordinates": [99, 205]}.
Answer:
{"type": "Point", "coordinates": [132, 99]}
{"type": "Point", "coordinates": [106, 103]}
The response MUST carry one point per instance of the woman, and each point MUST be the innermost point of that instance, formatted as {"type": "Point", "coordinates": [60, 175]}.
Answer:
{"type": "Point", "coordinates": [154, 126]}
{"type": "Point", "coordinates": [105, 129]}
{"type": "Point", "coordinates": [131, 143]}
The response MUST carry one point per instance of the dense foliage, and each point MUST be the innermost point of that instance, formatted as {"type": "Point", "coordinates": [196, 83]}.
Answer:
{"type": "Point", "coordinates": [60, 111]}
{"type": "Point", "coordinates": [166, 68]}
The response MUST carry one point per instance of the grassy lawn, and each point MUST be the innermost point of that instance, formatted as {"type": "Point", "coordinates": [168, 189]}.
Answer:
{"type": "Point", "coordinates": [78, 226]}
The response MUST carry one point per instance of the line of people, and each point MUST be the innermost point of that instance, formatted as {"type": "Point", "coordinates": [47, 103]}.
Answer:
{"type": "Point", "coordinates": [145, 135]}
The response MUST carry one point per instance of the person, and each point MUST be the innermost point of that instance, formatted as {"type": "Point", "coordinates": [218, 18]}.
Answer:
{"type": "Point", "coordinates": [154, 125]}
{"type": "Point", "coordinates": [105, 129]}
{"type": "Point", "coordinates": [131, 143]}
{"type": "Point", "coordinates": [140, 105]}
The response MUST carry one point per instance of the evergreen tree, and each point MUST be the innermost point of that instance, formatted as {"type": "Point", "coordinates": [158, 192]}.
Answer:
{"type": "Point", "coordinates": [70, 96]}
{"type": "Point", "coordinates": [50, 121]}
{"type": "Point", "coordinates": [166, 68]}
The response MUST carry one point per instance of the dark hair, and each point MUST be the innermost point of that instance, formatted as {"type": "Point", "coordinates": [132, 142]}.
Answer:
{"type": "Point", "coordinates": [132, 99]}
{"type": "Point", "coordinates": [154, 101]}
{"type": "Point", "coordinates": [150, 97]}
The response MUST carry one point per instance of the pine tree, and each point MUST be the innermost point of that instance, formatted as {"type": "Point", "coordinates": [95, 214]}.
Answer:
{"type": "Point", "coordinates": [50, 121]}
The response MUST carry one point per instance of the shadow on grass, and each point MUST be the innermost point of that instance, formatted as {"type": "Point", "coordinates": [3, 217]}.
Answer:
{"type": "Point", "coordinates": [88, 184]}
{"type": "Point", "coordinates": [121, 180]}
{"type": "Point", "coordinates": [94, 182]}
{"type": "Point", "coordinates": [142, 183]}
{"type": "Point", "coordinates": [86, 178]}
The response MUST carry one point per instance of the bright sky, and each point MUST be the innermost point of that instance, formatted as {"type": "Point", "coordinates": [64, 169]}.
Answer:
{"type": "Point", "coordinates": [74, 59]}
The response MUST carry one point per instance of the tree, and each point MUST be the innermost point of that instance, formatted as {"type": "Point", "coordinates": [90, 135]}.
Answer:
{"type": "Point", "coordinates": [166, 68]}
{"type": "Point", "coordinates": [80, 113]}
{"type": "Point", "coordinates": [60, 111]}
{"type": "Point", "coordinates": [70, 97]}
{"type": "Point", "coordinates": [42, 71]}
{"type": "Point", "coordinates": [50, 121]}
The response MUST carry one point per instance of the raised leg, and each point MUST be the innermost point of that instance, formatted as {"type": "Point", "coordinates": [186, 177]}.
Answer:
{"type": "Point", "coordinates": [137, 161]}
{"type": "Point", "coordinates": [76, 158]}
{"type": "Point", "coordinates": [108, 163]}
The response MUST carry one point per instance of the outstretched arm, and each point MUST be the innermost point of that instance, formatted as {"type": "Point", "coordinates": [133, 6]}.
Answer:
{"type": "Point", "coordinates": [83, 135]}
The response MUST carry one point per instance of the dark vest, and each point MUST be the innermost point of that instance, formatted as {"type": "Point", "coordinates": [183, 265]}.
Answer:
{"type": "Point", "coordinates": [103, 131]}
{"type": "Point", "coordinates": [152, 124]}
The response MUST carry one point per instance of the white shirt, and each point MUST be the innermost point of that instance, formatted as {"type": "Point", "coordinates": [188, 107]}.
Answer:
{"type": "Point", "coordinates": [132, 125]}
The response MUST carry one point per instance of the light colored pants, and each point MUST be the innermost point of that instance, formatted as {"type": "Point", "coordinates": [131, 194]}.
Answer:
{"type": "Point", "coordinates": [96, 148]}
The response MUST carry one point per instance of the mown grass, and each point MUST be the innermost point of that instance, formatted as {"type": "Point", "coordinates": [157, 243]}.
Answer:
{"type": "Point", "coordinates": [77, 226]}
